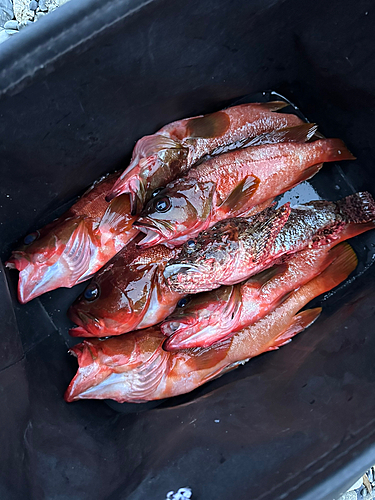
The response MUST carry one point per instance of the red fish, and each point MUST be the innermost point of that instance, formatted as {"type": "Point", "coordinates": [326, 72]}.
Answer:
{"type": "Point", "coordinates": [76, 245]}
{"type": "Point", "coordinates": [135, 367]}
{"type": "Point", "coordinates": [235, 249]}
{"type": "Point", "coordinates": [204, 319]}
{"type": "Point", "coordinates": [234, 184]}
{"type": "Point", "coordinates": [158, 159]}
{"type": "Point", "coordinates": [129, 293]}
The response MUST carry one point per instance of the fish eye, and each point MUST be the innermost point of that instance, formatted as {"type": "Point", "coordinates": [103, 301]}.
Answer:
{"type": "Point", "coordinates": [191, 244]}
{"type": "Point", "coordinates": [30, 238]}
{"type": "Point", "coordinates": [183, 302]}
{"type": "Point", "coordinates": [156, 192]}
{"type": "Point", "coordinates": [163, 205]}
{"type": "Point", "coordinates": [92, 292]}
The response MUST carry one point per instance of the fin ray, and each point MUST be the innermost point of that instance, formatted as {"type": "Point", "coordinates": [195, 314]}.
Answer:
{"type": "Point", "coordinates": [240, 194]}
{"type": "Point", "coordinates": [298, 323]}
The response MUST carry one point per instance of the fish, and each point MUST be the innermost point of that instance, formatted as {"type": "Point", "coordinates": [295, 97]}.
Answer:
{"type": "Point", "coordinates": [135, 368]}
{"type": "Point", "coordinates": [234, 184]}
{"type": "Point", "coordinates": [204, 319]}
{"type": "Point", "coordinates": [129, 293]}
{"type": "Point", "coordinates": [72, 248]}
{"type": "Point", "coordinates": [236, 249]}
{"type": "Point", "coordinates": [160, 158]}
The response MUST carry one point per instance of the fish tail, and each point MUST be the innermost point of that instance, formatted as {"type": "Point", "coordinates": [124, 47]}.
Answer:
{"type": "Point", "coordinates": [335, 150]}
{"type": "Point", "coordinates": [358, 208]}
{"type": "Point", "coordinates": [298, 323]}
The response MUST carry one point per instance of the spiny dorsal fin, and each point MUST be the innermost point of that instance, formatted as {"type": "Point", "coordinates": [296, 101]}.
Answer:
{"type": "Point", "coordinates": [299, 133]}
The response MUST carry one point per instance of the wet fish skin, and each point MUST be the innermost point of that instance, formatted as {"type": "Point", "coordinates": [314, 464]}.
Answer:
{"type": "Point", "coordinates": [131, 293]}
{"type": "Point", "coordinates": [236, 249]}
{"type": "Point", "coordinates": [211, 317]}
{"type": "Point", "coordinates": [134, 368]}
{"type": "Point", "coordinates": [238, 183]}
{"type": "Point", "coordinates": [76, 245]}
{"type": "Point", "coordinates": [160, 158]}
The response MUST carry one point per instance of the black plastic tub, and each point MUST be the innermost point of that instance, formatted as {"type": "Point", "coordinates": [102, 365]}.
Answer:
{"type": "Point", "coordinates": [76, 91]}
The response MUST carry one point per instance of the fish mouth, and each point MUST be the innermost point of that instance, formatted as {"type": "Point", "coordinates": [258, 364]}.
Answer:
{"type": "Point", "coordinates": [17, 260]}
{"type": "Point", "coordinates": [133, 187]}
{"type": "Point", "coordinates": [155, 233]}
{"type": "Point", "coordinates": [89, 374]}
{"type": "Point", "coordinates": [186, 336]}
{"type": "Point", "coordinates": [88, 325]}
{"type": "Point", "coordinates": [34, 279]}
{"type": "Point", "coordinates": [175, 325]}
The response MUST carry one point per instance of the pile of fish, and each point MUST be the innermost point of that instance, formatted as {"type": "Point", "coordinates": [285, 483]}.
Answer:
{"type": "Point", "coordinates": [197, 269]}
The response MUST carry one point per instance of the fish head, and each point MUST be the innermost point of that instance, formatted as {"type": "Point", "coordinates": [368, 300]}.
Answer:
{"type": "Point", "coordinates": [181, 209]}
{"type": "Point", "coordinates": [56, 256]}
{"type": "Point", "coordinates": [204, 261]}
{"type": "Point", "coordinates": [125, 368]}
{"type": "Point", "coordinates": [155, 158]}
{"type": "Point", "coordinates": [199, 320]}
{"type": "Point", "coordinates": [116, 300]}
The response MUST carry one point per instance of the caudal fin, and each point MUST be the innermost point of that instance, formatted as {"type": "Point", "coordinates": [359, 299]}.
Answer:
{"type": "Point", "coordinates": [335, 150]}
{"type": "Point", "coordinates": [358, 208]}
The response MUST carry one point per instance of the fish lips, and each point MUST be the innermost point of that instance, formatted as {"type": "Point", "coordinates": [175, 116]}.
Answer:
{"type": "Point", "coordinates": [88, 325]}
{"type": "Point", "coordinates": [176, 325]}
{"type": "Point", "coordinates": [155, 233]}
{"type": "Point", "coordinates": [34, 278]}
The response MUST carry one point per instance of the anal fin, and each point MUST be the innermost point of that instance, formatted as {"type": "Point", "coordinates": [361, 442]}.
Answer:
{"type": "Point", "coordinates": [298, 323]}
{"type": "Point", "coordinates": [306, 174]}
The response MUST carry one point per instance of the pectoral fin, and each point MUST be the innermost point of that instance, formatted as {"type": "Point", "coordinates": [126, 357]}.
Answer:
{"type": "Point", "coordinates": [239, 197]}
{"type": "Point", "coordinates": [152, 144]}
{"type": "Point", "coordinates": [267, 275]}
{"type": "Point", "coordinates": [209, 126]}
{"type": "Point", "coordinates": [117, 217]}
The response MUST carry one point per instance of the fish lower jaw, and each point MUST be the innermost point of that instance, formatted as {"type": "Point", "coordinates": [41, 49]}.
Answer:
{"type": "Point", "coordinates": [152, 237]}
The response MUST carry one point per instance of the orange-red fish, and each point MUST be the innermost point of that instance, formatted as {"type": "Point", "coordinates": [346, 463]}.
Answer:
{"type": "Point", "coordinates": [129, 293]}
{"type": "Point", "coordinates": [159, 158]}
{"type": "Point", "coordinates": [238, 183]}
{"type": "Point", "coordinates": [236, 249]}
{"type": "Point", "coordinates": [135, 368]}
{"type": "Point", "coordinates": [76, 245]}
{"type": "Point", "coordinates": [204, 319]}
